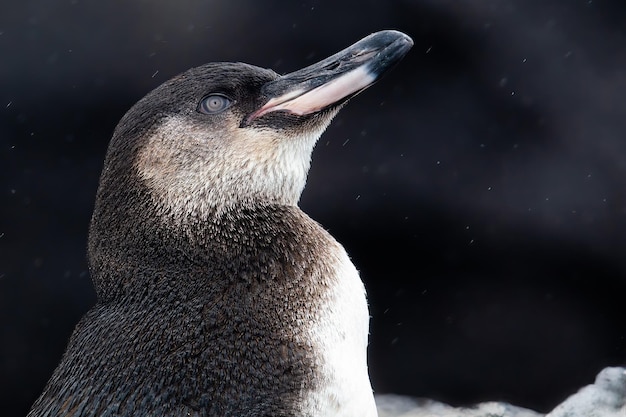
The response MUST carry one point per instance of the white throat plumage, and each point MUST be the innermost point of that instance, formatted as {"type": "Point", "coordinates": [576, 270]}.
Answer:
{"type": "Point", "coordinates": [254, 166]}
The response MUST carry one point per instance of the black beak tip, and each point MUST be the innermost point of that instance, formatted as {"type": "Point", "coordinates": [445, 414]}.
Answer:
{"type": "Point", "coordinates": [391, 45]}
{"type": "Point", "coordinates": [385, 40]}
{"type": "Point", "coordinates": [391, 37]}
{"type": "Point", "coordinates": [404, 41]}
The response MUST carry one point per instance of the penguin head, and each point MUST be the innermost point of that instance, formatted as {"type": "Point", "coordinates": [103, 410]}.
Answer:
{"type": "Point", "coordinates": [227, 135]}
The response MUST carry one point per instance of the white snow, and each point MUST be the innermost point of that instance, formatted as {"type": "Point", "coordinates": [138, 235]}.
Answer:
{"type": "Point", "coordinates": [604, 398]}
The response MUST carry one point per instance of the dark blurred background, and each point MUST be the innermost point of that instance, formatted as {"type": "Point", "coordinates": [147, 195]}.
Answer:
{"type": "Point", "coordinates": [480, 187]}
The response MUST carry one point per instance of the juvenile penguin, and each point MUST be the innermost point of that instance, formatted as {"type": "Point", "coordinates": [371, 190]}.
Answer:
{"type": "Point", "coordinates": [217, 295]}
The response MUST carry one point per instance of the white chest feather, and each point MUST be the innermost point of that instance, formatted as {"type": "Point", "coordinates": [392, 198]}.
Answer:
{"type": "Point", "coordinates": [340, 337]}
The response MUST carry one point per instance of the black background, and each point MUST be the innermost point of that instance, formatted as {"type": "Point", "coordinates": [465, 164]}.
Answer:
{"type": "Point", "coordinates": [479, 187]}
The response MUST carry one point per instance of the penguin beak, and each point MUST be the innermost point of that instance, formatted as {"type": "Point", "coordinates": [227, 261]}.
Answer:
{"type": "Point", "coordinates": [335, 79]}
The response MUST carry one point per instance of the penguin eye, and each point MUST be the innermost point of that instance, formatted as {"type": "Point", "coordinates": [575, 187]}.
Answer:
{"type": "Point", "coordinates": [214, 103]}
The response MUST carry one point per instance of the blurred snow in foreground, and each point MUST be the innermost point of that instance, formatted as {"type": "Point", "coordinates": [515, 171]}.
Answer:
{"type": "Point", "coordinates": [604, 398]}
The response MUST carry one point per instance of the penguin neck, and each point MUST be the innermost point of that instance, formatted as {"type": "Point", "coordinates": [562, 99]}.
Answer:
{"type": "Point", "coordinates": [134, 250]}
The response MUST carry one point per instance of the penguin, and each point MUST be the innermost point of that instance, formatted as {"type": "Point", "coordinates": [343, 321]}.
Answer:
{"type": "Point", "coordinates": [217, 295]}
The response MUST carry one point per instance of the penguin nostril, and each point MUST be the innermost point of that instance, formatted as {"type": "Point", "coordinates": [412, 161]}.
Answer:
{"type": "Point", "coordinates": [362, 55]}
{"type": "Point", "coordinates": [333, 66]}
